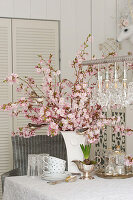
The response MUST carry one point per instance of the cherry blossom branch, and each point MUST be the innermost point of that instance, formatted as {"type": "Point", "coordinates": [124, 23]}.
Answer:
{"type": "Point", "coordinates": [28, 85]}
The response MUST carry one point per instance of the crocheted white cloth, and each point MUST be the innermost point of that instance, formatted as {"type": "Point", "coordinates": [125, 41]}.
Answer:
{"type": "Point", "coordinates": [27, 188]}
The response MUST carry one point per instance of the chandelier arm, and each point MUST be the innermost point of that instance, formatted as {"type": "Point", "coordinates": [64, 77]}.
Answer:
{"type": "Point", "coordinates": [108, 60]}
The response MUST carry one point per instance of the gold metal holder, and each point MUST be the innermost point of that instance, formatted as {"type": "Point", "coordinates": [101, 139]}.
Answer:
{"type": "Point", "coordinates": [85, 169]}
{"type": "Point", "coordinates": [101, 174]}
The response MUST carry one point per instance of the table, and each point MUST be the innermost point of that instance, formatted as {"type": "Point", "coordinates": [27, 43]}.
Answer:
{"type": "Point", "coordinates": [27, 188]}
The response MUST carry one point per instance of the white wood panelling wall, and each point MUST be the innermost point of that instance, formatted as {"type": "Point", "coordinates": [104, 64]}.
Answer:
{"type": "Point", "coordinates": [103, 23]}
{"type": "Point", "coordinates": [75, 26]}
{"type": "Point", "coordinates": [78, 18]}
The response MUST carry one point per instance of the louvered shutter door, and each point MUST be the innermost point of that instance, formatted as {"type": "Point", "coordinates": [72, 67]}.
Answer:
{"type": "Point", "coordinates": [32, 38]}
{"type": "Point", "coordinates": [5, 97]}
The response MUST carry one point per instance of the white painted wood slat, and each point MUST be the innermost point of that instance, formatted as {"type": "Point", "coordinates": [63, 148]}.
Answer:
{"type": "Point", "coordinates": [68, 37]}
{"type": "Point", "coordinates": [83, 23]}
{"type": "Point", "coordinates": [5, 96]}
{"type": "Point", "coordinates": [38, 9]}
{"type": "Point", "coordinates": [21, 8]}
{"type": "Point", "coordinates": [98, 26]}
{"type": "Point", "coordinates": [6, 8]}
{"type": "Point", "coordinates": [53, 9]}
{"type": "Point", "coordinates": [31, 38]}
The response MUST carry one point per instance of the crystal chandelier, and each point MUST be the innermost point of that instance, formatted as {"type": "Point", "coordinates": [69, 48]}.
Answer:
{"type": "Point", "coordinates": [110, 93]}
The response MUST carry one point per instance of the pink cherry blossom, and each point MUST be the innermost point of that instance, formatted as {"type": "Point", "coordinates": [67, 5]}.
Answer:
{"type": "Point", "coordinates": [13, 78]}
{"type": "Point", "coordinates": [49, 79]}
{"type": "Point", "coordinates": [38, 70]}
{"type": "Point", "coordinates": [41, 113]}
{"type": "Point", "coordinates": [91, 39]}
{"type": "Point", "coordinates": [61, 112]}
{"type": "Point", "coordinates": [47, 71]}
{"type": "Point", "coordinates": [99, 124]}
{"type": "Point", "coordinates": [84, 85]}
{"type": "Point", "coordinates": [129, 160]}
{"type": "Point", "coordinates": [81, 76]}
{"type": "Point", "coordinates": [66, 104]}
{"type": "Point", "coordinates": [57, 73]}
{"type": "Point", "coordinates": [78, 87]}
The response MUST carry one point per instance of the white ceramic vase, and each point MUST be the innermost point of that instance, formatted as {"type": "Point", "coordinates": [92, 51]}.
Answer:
{"type": "Point", "coordinates": [74, 152]}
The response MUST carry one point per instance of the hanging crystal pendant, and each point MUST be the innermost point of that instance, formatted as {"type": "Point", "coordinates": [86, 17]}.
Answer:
{"type": "Point", "coordinates": [116, 94]}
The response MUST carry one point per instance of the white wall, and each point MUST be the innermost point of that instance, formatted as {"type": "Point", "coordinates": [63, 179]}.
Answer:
{"type": "Point", "coordinates": [78, 18]}
{"type": "Point", "coordinates": [129, 147]}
